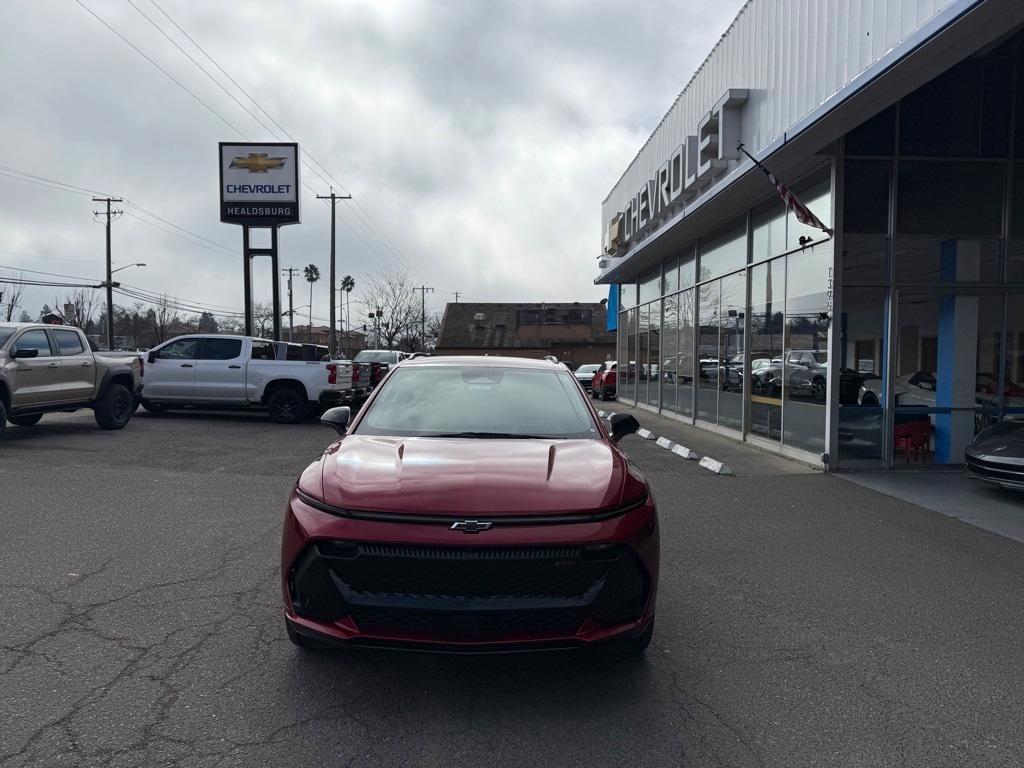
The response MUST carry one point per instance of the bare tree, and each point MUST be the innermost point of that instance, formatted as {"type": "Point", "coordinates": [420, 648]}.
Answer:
{"type": "Point", "coordinates": [263, 320]}
{"type": "Point", "coordinates": [78, 307]}
{"type": "Point", "coordinates": [10, 298]}
{"type": "Point", "coordinates": [164, 319]}
{"type": "Point", "coordinates": [390, 293]}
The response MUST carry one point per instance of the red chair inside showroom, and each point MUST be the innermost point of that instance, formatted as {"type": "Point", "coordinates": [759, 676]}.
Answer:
{"type": "Point", "coordinates": [912, 437]}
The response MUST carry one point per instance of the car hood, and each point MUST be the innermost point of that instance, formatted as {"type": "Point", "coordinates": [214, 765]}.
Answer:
{"type": "Point", "coordinates": [1002, 442]}
{"type": "Point", "coordinates": [418, 475]}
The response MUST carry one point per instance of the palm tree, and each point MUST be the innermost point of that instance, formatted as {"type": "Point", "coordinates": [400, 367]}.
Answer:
{"type": "Point", "coordinates": [312, 273]}
{"type": "Point", "coordinates": [347, 284]}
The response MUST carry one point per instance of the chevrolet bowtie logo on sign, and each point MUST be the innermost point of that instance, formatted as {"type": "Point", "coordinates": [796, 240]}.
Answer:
{"type": "Point", "coordinates": [258, 162]}
{"type": "Point", "coordinates": [259, 184]}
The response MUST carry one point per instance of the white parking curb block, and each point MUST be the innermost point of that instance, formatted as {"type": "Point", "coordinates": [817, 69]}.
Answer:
{"type": "Point", "coordinates": [646, 434]}
{"type": "Point", "coordinates": [686, 453]}
{"type": "Point", "coordinates": [665, 443]}
{"type": "Point", "coordinates": [715, 466]}
{"type": "Point", "coordinates": [602, 414]}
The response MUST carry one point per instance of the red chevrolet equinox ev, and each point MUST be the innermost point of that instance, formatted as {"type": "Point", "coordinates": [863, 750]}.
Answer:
{"type": "Point", "coordinates": [473, 505]}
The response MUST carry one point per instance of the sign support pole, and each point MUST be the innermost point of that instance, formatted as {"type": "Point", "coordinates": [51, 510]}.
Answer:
{"type": "Point", "coordinates": [247, 280]}
{"type": "Point", "coordinates": [249, 253]}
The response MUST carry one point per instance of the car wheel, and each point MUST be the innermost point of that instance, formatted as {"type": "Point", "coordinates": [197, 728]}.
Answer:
{"type": "Point", "coordinates": [818, 390]}
{"type": "Point", "coordinates": [154, 408]}
{"type": "Point", "coordinates": [869, 399]}
{"type": "Point", "coordinates": [25, 421]}
{"type": "Point", "coordinates": [287, 406]}
{"type": "Point", "coordinates": [114, 408]}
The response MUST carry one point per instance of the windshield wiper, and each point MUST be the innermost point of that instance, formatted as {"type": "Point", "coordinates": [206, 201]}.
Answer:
{"type": "Point", "coordinates": [491, 435]}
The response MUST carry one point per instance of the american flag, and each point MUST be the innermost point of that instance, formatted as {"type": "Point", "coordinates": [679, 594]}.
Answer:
{"type": "Point", "coordinates": [792, 202]}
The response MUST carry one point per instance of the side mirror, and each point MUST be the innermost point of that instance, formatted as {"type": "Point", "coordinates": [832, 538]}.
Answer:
{"type": "Point", "coordinates": [337, 418]}
{"type": "Point", "coordinates": [25, 353]}
{"type": "Point", "coordinates": [151, 357]}
{"type": "Point", "coordinates": [623, 424]}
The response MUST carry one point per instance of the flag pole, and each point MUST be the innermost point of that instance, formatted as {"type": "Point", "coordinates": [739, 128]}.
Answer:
{"type": "Point", "coordinates": [803, 214]}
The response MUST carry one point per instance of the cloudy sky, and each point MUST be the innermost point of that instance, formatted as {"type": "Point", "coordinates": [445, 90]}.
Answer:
{"type": "Point", "coordinates": [478, 137]}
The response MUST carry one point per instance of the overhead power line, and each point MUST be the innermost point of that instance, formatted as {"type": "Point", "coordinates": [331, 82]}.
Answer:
{"type": "Point", "coordinates": [183, 232]}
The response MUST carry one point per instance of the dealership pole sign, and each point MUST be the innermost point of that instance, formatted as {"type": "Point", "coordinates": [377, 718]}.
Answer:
{"type": "Point", "coordinates": [259, 189]}
{"type": "Point", "coordinates": [259, 184]}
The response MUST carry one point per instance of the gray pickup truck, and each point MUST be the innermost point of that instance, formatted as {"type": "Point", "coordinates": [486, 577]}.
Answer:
{"type": "Point", "coordinates": [47, 368]}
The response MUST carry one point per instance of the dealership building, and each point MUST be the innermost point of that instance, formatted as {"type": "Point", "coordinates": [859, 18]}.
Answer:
{"type": "Point", "coordinates": [888, 338]}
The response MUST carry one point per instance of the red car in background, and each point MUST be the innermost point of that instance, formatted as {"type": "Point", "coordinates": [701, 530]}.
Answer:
{"type": "Point", "coordinates": [474, 504]}
{"type": "Point", "coordinates": [603, 385]}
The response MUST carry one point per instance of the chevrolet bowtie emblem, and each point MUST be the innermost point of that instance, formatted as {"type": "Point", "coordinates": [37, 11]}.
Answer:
{"type": "Point", "coordinates": [258, 162]}
{"type": "Point", "coordinates": [471, 526]}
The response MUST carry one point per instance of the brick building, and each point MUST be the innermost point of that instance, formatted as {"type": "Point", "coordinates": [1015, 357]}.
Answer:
{"type": "Point", "coordinates": [572, 331]}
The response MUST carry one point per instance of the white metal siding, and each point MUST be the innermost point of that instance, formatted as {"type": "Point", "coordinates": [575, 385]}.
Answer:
{"type": "Point", "coordinates": [793, 55]}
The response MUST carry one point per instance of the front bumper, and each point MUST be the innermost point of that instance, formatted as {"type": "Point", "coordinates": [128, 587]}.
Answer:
{"type": "Point", "coordinates": [422, 586]}
{"type": "Point", "coordinates": [1009, 476]}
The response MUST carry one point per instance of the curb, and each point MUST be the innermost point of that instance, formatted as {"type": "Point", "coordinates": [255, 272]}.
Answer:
{"type": "Point", "coordinates": [686, 453]}
{"type": "Point", "coordinates": [715, 466]}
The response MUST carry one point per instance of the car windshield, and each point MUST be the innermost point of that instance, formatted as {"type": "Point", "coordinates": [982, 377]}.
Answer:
{"type": "Point", "coordinates": [587, 368]}
{"type": "Point", "coordinates": [479, 401]}
{"type": "Point", "coordinates": [5, 334]}
{"type": "Point", "coordinates": [375, 357]}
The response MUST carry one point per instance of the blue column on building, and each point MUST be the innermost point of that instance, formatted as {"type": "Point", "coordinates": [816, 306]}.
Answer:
{"type": "Point", "coordinates": [956, 374]}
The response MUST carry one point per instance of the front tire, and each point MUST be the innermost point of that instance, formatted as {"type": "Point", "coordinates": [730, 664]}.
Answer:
{"type": "Point", "coordinates": [287, 406]}
{"type": "Point", "coordinates": [819, 390]}
{"type": "Point", "coordinates": [25, 421]}
{"type": "Point", "coordinates": [114, 408]}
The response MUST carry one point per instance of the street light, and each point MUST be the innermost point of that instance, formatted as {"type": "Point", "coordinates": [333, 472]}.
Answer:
{"type": "Point", "coordinates": [126, 266]}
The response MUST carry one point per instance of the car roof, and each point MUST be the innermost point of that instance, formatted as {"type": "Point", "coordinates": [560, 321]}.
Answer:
{"type": "Point", "coordinates": [483, 362]}
{"type": "Point", "coordinates": [37, 325]}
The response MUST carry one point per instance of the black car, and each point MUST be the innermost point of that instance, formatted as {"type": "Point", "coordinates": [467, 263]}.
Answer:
{"type": "Point", "coordinates": [997, 455]}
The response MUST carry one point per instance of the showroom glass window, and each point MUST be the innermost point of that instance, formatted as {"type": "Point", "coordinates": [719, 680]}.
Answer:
{"type": "Point", "coordinates": [805, 347]}
{"type": "Point", "coordinates": [724, 250]}
{"type": "Point", "coordinates": [767, 331]}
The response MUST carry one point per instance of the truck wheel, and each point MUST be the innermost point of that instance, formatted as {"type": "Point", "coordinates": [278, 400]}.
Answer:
{"type": "Point", "coordinates": [114, 408]}
{"type": "Point", "coordinates": [287, 406]}
{"type": "Point", "coordinates": [25, 421]}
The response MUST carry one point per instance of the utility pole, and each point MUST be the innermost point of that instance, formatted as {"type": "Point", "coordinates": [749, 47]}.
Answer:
{"type": "Point", "coordinates": [109, 282]}
{"type": "Point", "coordinates": [291, 311]}
{"type": "Point", "coordinates": [457, 294]}
{"type": "Point", "coordinates": [423, 289]}
{"type": "Point", "coordinates": [334, 200]}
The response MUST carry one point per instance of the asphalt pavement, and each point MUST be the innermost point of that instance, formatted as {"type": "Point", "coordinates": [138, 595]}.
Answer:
{"type": "Point", "coordinates": [802, 621]}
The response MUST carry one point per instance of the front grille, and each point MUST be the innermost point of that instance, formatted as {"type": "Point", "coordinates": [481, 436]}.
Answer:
{"type": "Point", "coordinates": [466, 573]}
{"type": "Point", "coordinates": [453, 624]}
{"type": "Point", "coordinates": [462, 592]}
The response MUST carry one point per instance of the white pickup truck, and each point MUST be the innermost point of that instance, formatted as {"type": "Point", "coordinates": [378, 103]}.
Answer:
{"type": "Point", "coordinates": [240, 371]}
